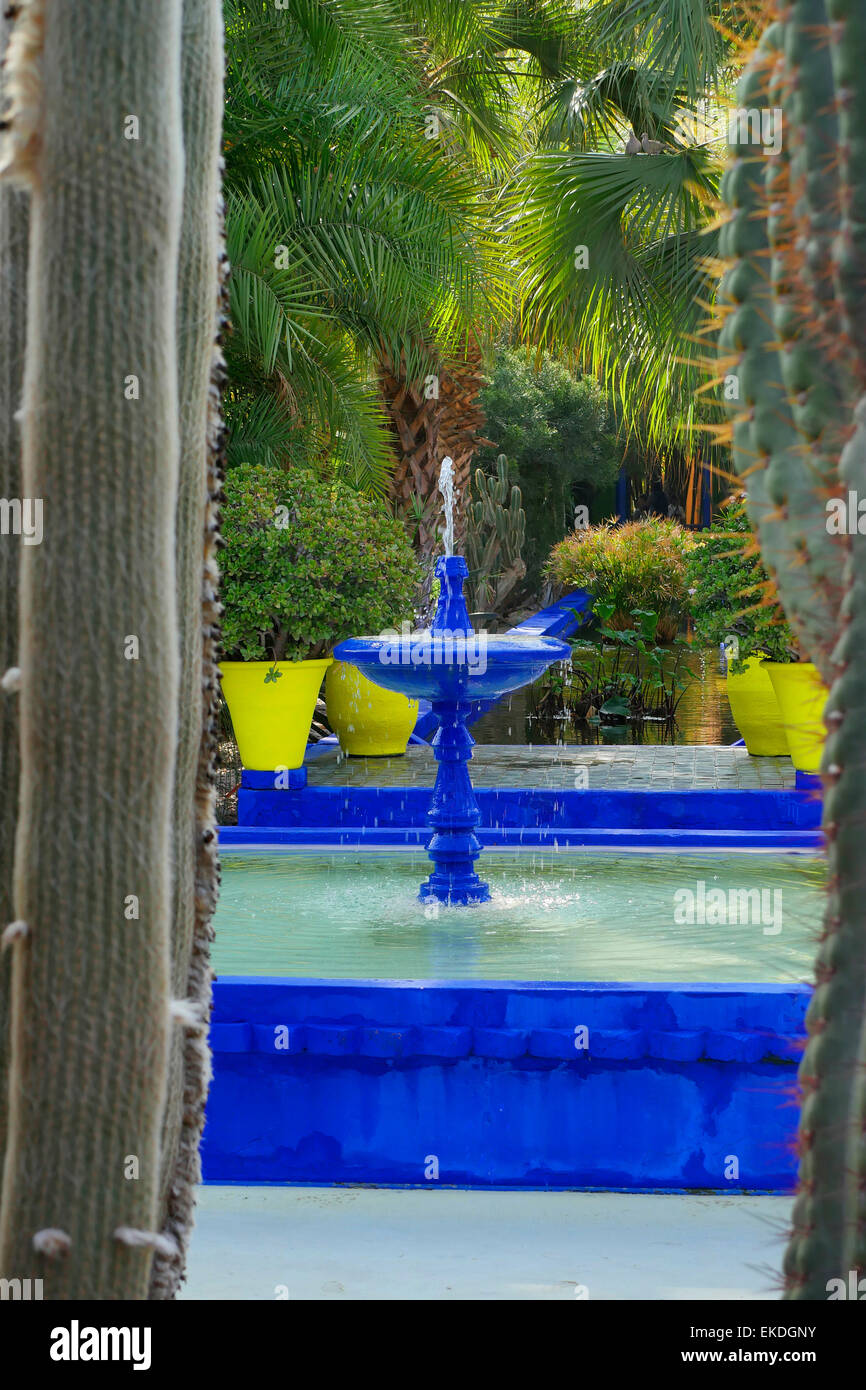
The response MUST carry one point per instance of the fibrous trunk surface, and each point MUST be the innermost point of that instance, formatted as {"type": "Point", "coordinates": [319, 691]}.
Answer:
{"type": "Point", "coordinates": [431, 427]}
{"type": "Point", "coordinates": [196, 870]}
{"type": "Point", "coordinates": [13, 306]}
{"type": "Point", "coordinates": [98, 139]}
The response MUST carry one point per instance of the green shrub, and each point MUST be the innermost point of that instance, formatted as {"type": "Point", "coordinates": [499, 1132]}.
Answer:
{"type": "Point", "coordinates": [731, 594]}
{"type": "Point", "coordinates": [307, 564]}
{"type": "Point", "coordinates": [641, 565]}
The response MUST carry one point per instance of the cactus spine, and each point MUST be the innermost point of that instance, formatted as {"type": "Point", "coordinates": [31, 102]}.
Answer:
{"type": "Point", "coordinates": [495, 532]}
{"type": "Point", "coordinates": [97, 137]}
{"type": "Point", "coordinates": [13, 280]}
{"type": "Point", "coordinates": [794, 339]}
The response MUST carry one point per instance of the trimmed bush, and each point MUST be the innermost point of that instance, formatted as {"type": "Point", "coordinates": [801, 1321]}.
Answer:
{"type": "Point", "coordinates": [641, 565]}
{"type": "Point", "coordinates": [306, 564]}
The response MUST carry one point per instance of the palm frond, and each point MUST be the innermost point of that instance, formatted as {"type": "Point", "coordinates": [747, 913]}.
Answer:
{"type": "Point", "coordinates": [611, 253]}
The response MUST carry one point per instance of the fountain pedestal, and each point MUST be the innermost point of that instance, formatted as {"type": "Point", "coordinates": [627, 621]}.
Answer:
{"type": "Point", "coordinates": [453, 813]}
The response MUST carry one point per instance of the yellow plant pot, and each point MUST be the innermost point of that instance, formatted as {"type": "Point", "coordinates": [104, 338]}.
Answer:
{"type": "Point", "coordinates": [802, 696]}
{"type": "Point", "coordinates": [756, 710]}
{"type": "Point", "coordinates": [272, 718]}
{"type": "Point", "coordinates": [368, 720]}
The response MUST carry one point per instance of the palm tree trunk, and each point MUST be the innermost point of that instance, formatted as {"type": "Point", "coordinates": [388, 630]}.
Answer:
{"type": "Point", "coordinates": [434, 418]}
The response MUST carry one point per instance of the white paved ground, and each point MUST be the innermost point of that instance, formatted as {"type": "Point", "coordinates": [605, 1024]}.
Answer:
{"type": "Point", "coordinates": [379, 1243]}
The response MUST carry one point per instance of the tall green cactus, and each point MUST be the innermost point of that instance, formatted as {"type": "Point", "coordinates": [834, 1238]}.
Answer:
{"type": "Point", "coordinates": [793, 347]}
{"type": "Point", "coordinates": [13, 283]}
{"type": "Point", "coordinates": [495, 533]}
{"type": "Point", "coordinates": [194, 838]}
{"type": "Point", "coordinates": [106, 980]}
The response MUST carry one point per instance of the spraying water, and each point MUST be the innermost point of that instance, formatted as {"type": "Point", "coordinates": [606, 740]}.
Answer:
{"type": "Point", "coordinates": [446, 487]}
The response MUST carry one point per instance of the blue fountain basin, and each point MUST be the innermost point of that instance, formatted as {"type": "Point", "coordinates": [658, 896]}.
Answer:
{"type": "Point", "coordinates": [452, 666]}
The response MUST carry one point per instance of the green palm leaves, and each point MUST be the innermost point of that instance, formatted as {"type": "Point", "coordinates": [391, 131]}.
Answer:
{"type": "Point", "coordinates": [429, 169]}
{"type": "Point", "coordinates": [613, 251]}
{"type": "Point", "coordinates": [351, 234]}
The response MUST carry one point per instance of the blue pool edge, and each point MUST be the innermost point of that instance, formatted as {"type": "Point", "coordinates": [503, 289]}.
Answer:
{"type": "Point", "coordinates": [482, 1083]}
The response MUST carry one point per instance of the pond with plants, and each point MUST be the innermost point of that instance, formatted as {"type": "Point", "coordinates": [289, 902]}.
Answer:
{"type": "Point", "coordinates": [687, 643]}
{"type": "Point", "coordinates": [554, 709]}
{"type": "Point", "coordinates": [637, 673]}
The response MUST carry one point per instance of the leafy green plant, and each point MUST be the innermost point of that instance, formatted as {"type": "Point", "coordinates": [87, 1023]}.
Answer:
{"type": "Point", "coordinates": [306, 564]}
{"type": "Point", "coordinates": [620, 674]}
{"type": "Point", "coordinates": [637, 567]}
{"type": "Point", "coordinates": [733, 597]}
{"type": "Point", "coordinates": [631, 308]}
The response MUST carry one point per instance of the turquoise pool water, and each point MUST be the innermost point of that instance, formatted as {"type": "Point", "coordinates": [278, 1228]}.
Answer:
{"type": "Point", "coordinates": [563, 915]}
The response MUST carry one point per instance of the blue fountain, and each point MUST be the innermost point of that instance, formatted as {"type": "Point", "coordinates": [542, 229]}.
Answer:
{"type": "Point", "coordinates": [452, 666]}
